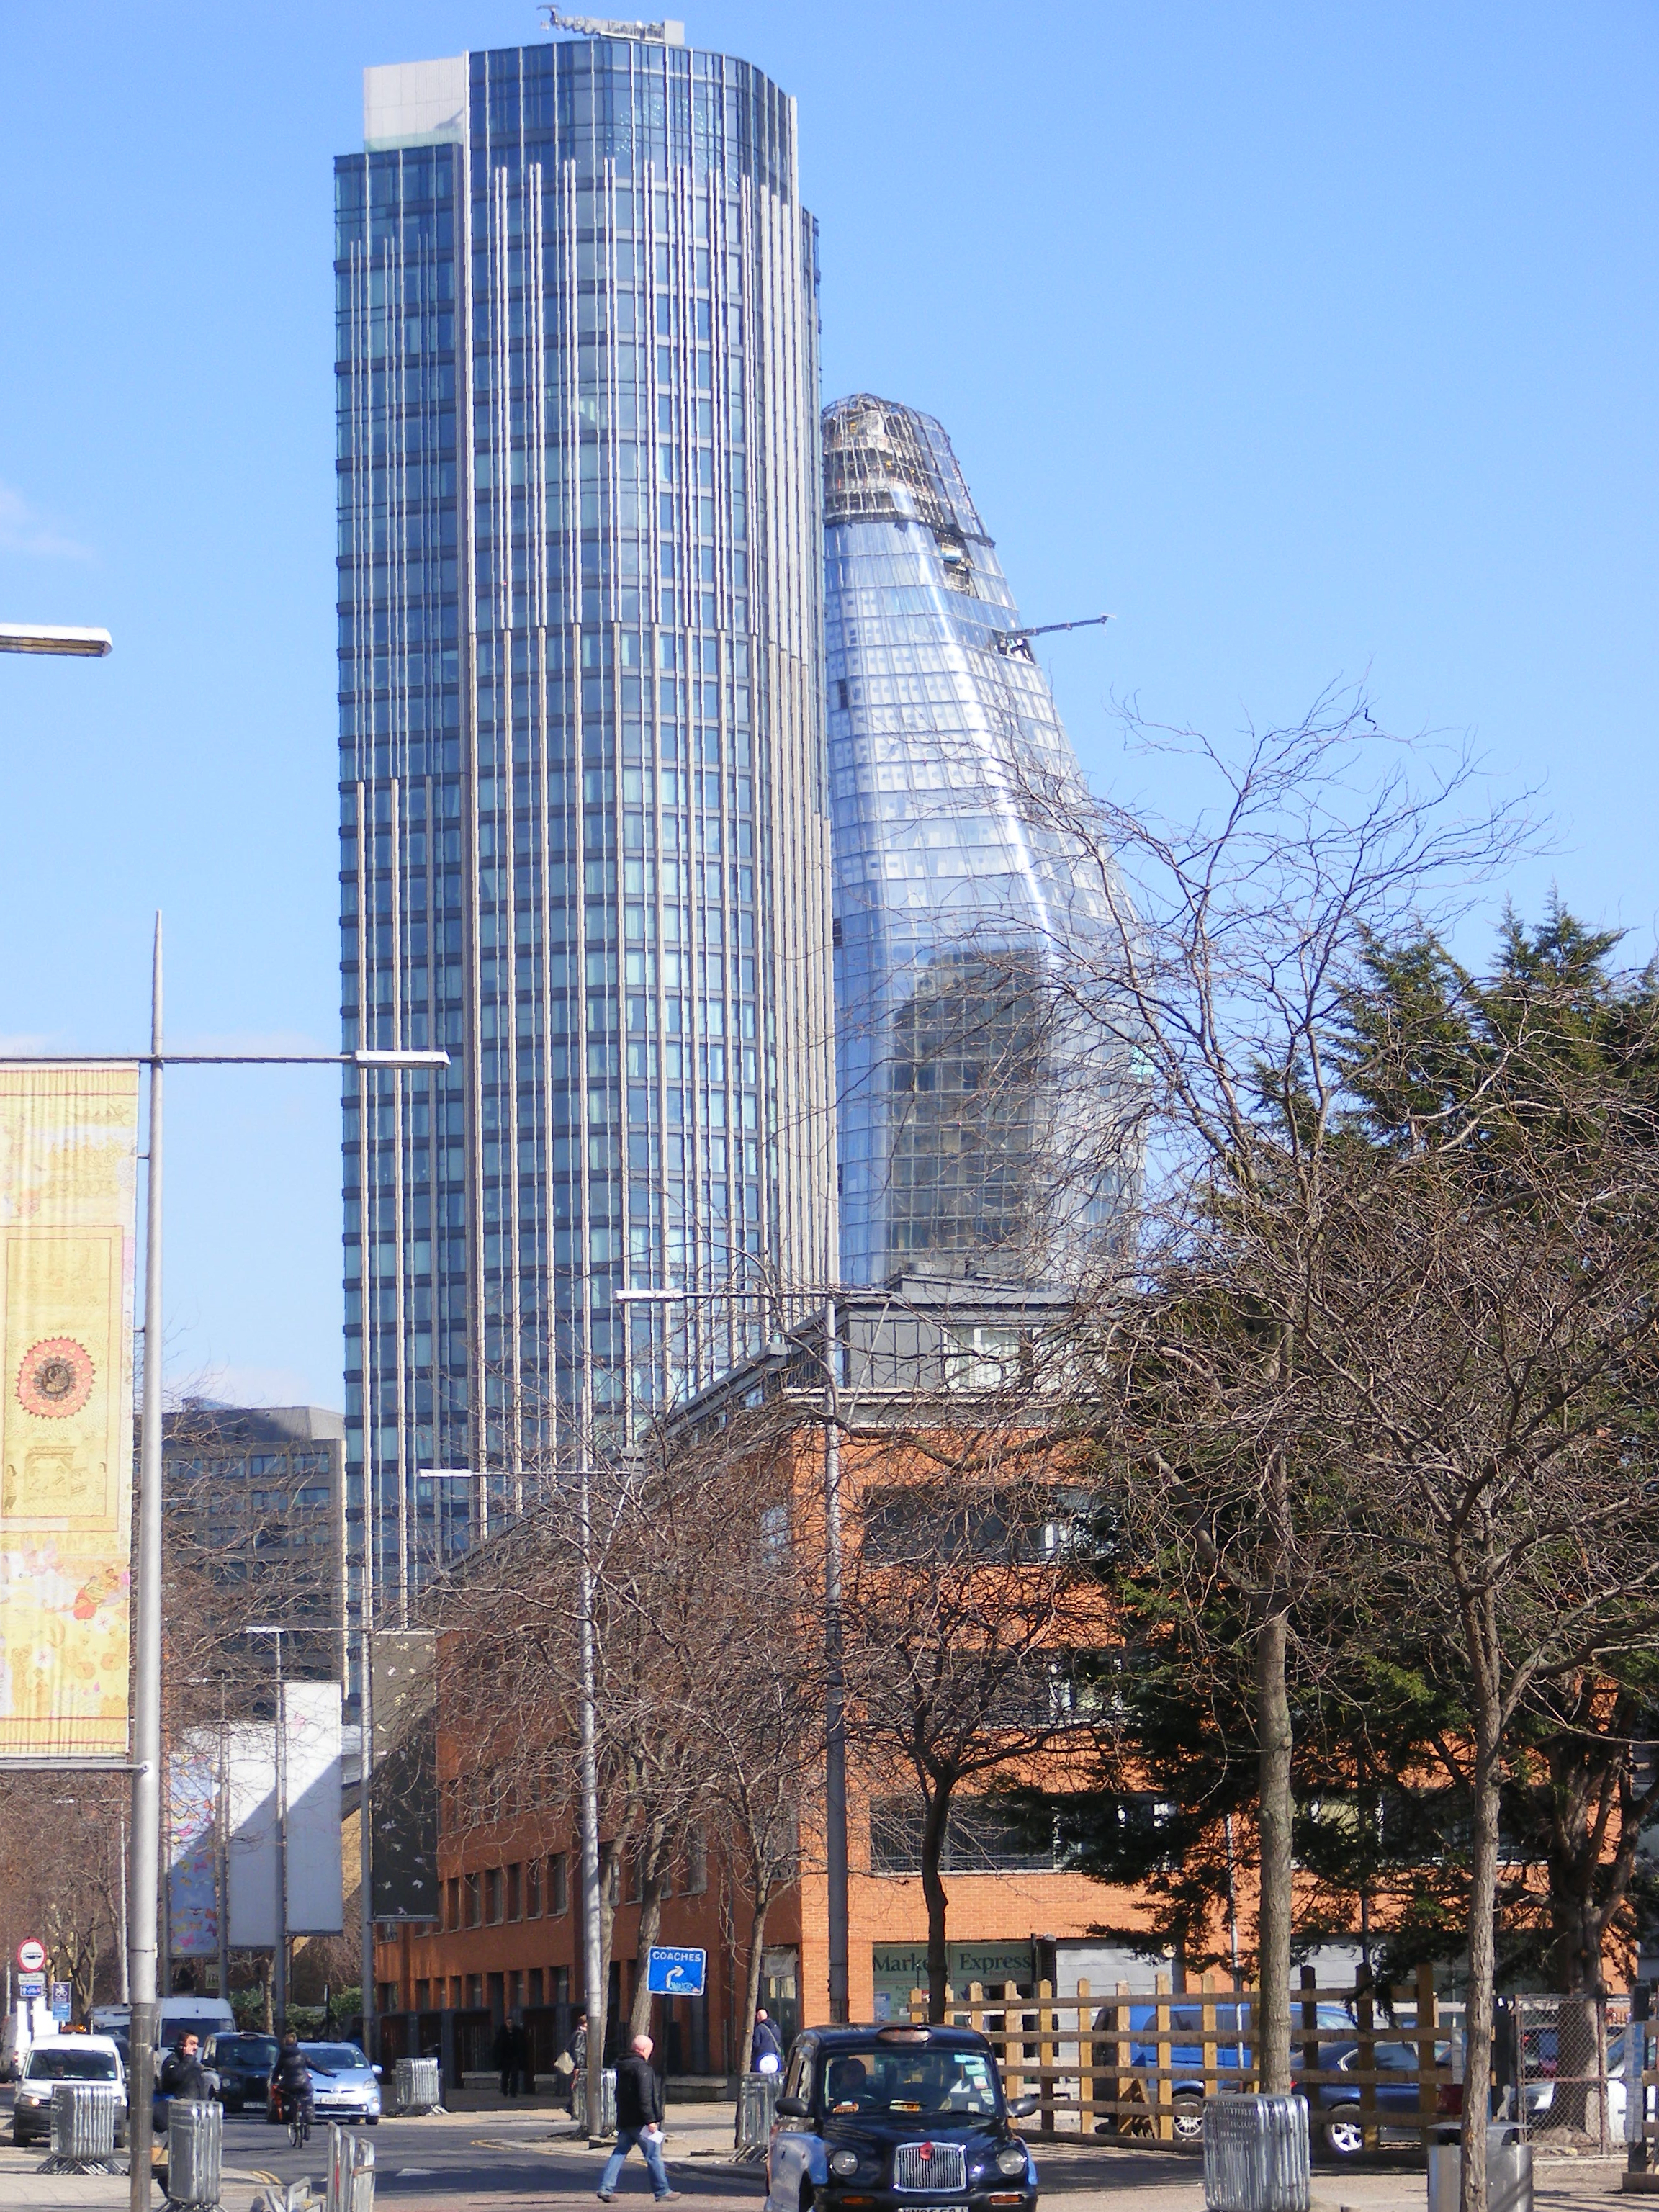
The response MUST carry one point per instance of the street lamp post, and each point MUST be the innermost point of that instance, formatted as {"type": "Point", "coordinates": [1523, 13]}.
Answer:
{"type": "Point", "coordinates": [53, 638]}
{"type": "Point", "coordinates": [144, 1887]}
{"type": "Point", "coordinates": [279, 1965]}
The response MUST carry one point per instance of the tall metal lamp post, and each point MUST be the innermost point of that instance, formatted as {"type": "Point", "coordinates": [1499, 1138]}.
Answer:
{"type": "Point", "coordinates": [143, 1891]}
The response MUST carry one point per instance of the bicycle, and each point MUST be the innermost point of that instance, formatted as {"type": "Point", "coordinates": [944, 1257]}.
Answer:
{"type": "Point", "coordinates": [299, 2124]}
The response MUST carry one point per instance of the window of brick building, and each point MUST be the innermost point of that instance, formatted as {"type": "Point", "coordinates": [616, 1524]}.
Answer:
{"type": "Point", "coordinates": [558, 1883]}
{"type": "Point", "coordinates": [516, 1892]}
{"type": "Point", "coordinates": [474, 1900]}
{"type": "Point", "coordinates": [452, 1902]}
{"type": "Point", "coordinates": [422, 1996]}
{"type": "Point", "coordinates": [535, 1997]}
{"type": "Point", "coordinates": [495, 1896]}
{"type": "Point", "coordinates": [475, 1996]}
{"type": "Point", "coordinates": [532, 1890]}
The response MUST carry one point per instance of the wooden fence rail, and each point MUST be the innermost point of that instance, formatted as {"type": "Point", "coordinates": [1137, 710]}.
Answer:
{"type": "Point", "coordinates": [1110, 2059]}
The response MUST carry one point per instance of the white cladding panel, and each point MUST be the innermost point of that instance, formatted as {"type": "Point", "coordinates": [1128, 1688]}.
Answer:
{"type": "Point", "coordinates": [414, 104]}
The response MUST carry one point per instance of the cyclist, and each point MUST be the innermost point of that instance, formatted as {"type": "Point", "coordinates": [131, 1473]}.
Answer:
{"type": "Point", "coordinates": [292, 2082]}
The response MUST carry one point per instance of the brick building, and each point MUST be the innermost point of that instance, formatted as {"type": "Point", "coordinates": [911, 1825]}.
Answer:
{"type": "Point", "coordinates": [508, 1940]}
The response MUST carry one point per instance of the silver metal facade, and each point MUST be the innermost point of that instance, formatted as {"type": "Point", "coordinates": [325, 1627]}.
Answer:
{"type": "Point", "coordinates": [584, 838]}
{"type": "Point", "coordinates": [975, 1125]}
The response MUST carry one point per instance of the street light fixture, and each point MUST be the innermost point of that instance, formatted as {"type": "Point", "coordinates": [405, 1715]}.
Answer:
{"type": "Point", "coordinates": [51, 637]}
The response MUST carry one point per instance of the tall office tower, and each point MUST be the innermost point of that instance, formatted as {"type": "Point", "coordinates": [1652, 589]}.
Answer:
{"type": "Point", "coordinates": [977, 1121]}
{"type": "Point", "coordinates": [585, 836]}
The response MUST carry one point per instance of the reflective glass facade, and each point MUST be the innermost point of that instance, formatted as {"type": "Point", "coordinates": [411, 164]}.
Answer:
{"type": "Point", "coordinates": [583, 830]}
{"type": "Point", "coordinates": [974, 1123]}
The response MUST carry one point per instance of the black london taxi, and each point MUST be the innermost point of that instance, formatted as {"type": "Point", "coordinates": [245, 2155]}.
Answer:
{"type": "Point", "coordinates": [896, 2119]}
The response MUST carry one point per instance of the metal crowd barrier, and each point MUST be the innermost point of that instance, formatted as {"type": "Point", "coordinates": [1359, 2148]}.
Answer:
{"type": "Point", "coordinates": [350, 2171]}
{"type": "Point", "coordinates": [757, 2099]}
{"type": "Point", "coordinates": [417, 2086]}
{"type": "Point", "coordinates": [1255, 2154]}
{"type": "Point", "coordinates": [83, 2123]}
{"type": "Point", "coordinates": [196, 2139]}
{"type": "Point", "coordinates": [607, 2102]}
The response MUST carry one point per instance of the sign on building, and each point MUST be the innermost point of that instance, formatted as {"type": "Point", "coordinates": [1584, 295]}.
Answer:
{"type": "Point", "coordinates": [672, 1972]}
{"type": "Point", "coordinates": [899, 1968]}
{"type": "Point", "coordinates": [69, 1146]}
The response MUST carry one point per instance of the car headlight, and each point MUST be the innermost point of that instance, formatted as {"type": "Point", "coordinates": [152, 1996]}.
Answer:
{"type": "Point", "coordinates": [844, 2163]}
{"type": "Point", "coordinates": [1011, 2160]}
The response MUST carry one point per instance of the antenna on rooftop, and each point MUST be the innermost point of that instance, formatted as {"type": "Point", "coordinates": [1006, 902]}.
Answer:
{"type": "Point", "coordinates": [667, 34]}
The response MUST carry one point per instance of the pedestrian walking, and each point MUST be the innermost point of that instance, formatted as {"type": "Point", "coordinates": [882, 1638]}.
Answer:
{"type": "Point", "coordinates": [639, 2120]}
{"type": "Point", "coordinates": [502, 2058]}
{"type": "Point", "coordinates": [524, 2058]}
{"type": "Point", "coordinates": [572, 2061]}
{"type": "Point", "coordinates": [766, 2046]}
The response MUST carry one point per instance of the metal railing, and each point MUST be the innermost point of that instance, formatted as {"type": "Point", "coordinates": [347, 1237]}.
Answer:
{"type": "Point", "coordinates": [84, 2118]}
{"type": "Point", "coordinates": [1570, 2076]}
{"type": "Point", "coordinates": [1255, 2154]}
{"type": "Point", "coordinates": [195, 2134]}
{"type": "Point", "coordinates": [417, 2086]}
{"type": "Point", "coordinates": [607, 2102]}
{"type": "Point", "coordinates": [350, 2186]}
{"type": "Point", "coordinates": [758, 2101]}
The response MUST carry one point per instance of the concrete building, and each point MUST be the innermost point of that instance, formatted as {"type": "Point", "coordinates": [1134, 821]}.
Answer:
{"type": "Point", "coordinates": [583, 818]}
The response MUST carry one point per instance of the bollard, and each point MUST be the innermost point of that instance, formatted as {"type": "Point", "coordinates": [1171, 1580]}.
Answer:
{"type": "Point", "coordinates": [195, 2135]}
{"type": "Point", "coordinates": [1255, 2154]}
{"type": "Point", "coordinates": [84, 2118]}
{"type": "Point", "coordinates": [758, 2097]}
{"type": "Point", "coordinates": [1508, 2173]}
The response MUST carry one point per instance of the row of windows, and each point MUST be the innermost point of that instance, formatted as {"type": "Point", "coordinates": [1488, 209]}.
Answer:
{"type": "Point", "coordinates": [530, 1889]}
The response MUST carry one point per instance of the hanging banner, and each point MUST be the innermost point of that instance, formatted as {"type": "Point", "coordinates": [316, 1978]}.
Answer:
{"type": "Point", "coordinates": [193, 1847]}
{"type": "Point", "coordinates": [311, 1780]}
{"type": "Point", "coordinates": [69, 1147]}
{"type": "Point", "coordinates": [251, 1816]}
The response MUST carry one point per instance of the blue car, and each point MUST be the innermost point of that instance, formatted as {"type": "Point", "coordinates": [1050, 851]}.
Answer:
{"type": "Point", "coordinates": [896, 2119]}
{"type": "Point", "coordinates": [1183, 2051]}
{"type": "Point", "coordinates": [1335, 2106]}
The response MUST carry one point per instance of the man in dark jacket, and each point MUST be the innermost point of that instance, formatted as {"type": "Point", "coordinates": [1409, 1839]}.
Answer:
{"type": "Point", "coordinates": [524, 2058]}
{"type": "Point", "coordinates": [639, 2120]}
{"type": "Point", "coordinates": [292, 2078]}
{"type": "Point", "coordinates": [182, 2074]}
{"type": "Point", "coordinates": [504, 2060]}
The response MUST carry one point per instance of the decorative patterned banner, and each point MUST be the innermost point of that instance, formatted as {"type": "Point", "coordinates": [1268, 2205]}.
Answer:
{"type": "Point", "coordinates": [69, 1145]}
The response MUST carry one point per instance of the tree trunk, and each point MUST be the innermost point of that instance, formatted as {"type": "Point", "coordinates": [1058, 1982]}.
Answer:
{"type": "Point", "coordinates": [751, 1984]}
{"type": "Point", "coordinates": [639, 2018]}
{"type": "Point", "coordinates": [1483, 1890]}
{"type": "Point", "coordinates": [1274, 1742]}
{"type": "Point", "coordinates": [933, 1829]}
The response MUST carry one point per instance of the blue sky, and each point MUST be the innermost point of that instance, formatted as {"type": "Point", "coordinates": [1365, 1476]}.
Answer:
{"type": "Point", "coordinates": [1314, 342]}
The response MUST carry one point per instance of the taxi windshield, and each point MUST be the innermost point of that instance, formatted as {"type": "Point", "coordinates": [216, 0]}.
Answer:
{"type": "Point", "coordinates": [910, 2081]}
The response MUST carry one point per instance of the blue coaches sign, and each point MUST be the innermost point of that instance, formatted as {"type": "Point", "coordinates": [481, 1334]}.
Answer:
{"type": "Point", "coordinates": [672, 1973]}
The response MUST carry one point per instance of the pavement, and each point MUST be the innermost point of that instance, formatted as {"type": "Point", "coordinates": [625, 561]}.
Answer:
{"type": "Point", "coordinates": [503, 2156]}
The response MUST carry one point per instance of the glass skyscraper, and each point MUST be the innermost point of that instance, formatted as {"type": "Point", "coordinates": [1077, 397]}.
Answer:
{"type": "Point", "coordinates": [585, 841]}
{"type": "Point", "coordinates": [975, 1120]}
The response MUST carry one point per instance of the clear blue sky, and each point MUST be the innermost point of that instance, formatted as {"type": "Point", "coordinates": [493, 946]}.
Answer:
{"type": "Point", "coordinates": [1311, 340]}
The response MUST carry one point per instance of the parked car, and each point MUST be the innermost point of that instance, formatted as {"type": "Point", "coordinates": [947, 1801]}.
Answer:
{"type": "Point", "coordinates": [1183, 2053]}
{"type": "Point", "coordinates": [343, 2085]}
{"type": "Point", "coordinates": [238, 2068]}
{"type": "Point", "coordinates": [869, 2119]}
{"type": "Point", "coordinates": [54, 2058]}
{"type": "Point", "coordinates": [1336, 2107]}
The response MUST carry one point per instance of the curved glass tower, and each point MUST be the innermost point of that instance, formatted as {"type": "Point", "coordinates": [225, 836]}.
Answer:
{"type": "Point", "coordinates": [584, 841]}
{"type": "Point", "coordinates": [970, 1109]}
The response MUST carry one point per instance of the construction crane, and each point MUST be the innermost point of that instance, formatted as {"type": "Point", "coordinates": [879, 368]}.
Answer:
{"type": "Point", "coordinates": [1012, 643]}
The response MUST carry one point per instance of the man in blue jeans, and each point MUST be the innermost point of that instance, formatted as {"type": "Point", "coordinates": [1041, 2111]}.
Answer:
{"type": "Point", "coordinates": [639, 2120]}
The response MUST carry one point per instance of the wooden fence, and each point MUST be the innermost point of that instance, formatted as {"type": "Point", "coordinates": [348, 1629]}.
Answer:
{"type": "Point", "coordinates": [1106, 2063]}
